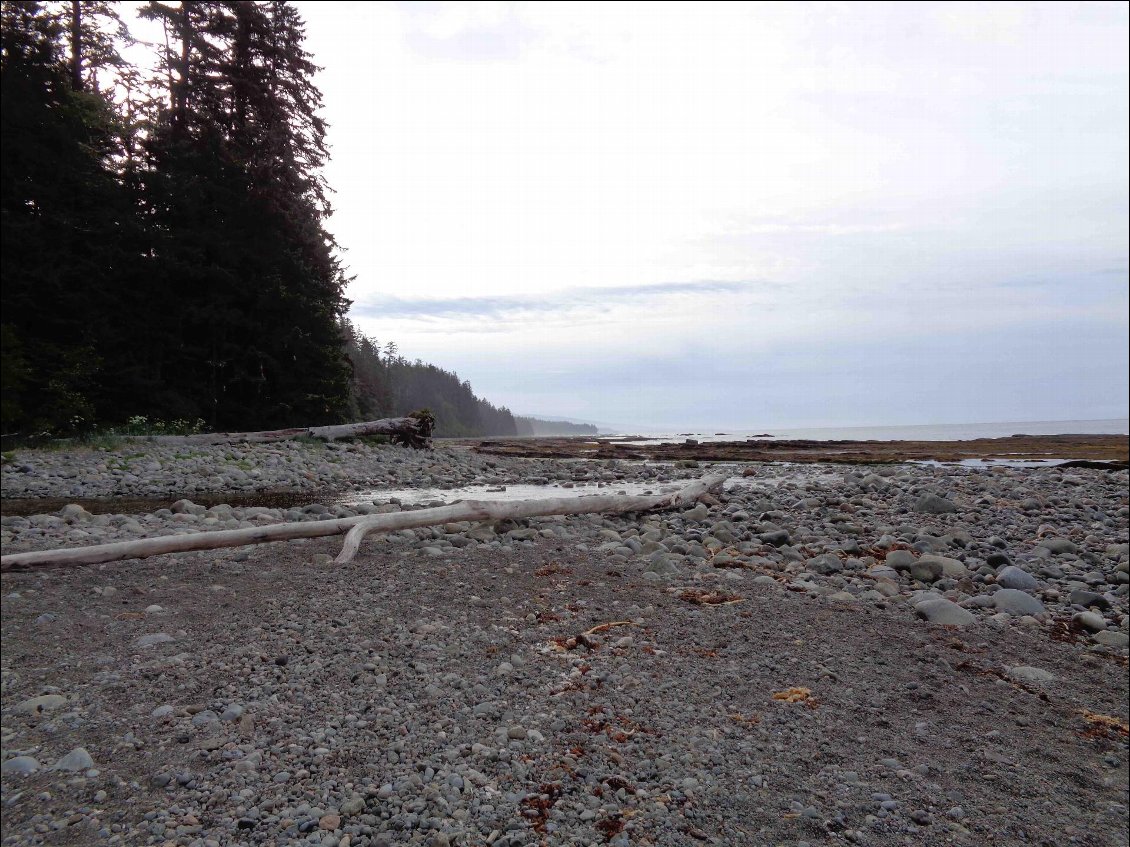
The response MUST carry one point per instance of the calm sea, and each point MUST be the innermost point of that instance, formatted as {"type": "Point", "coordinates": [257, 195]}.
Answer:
{"type": "Point", "coordinates": [935, 432]}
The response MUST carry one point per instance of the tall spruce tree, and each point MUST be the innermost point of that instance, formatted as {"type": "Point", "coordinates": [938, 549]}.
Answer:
{"type": "Point", "coordinates": [238, 208]}
{"type": "Point", "coordinates": [66, 223]}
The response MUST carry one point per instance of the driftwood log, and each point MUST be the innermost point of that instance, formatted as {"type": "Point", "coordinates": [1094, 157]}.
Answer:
{"type": "Point", "coordinates": [355, 529]}
{"type": "Point", "coordinates": [414, 430]}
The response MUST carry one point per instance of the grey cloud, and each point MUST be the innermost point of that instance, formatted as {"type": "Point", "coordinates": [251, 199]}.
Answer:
{"type": "Point", "coordinates": [1047, 370]}
{"type": "Point", "coordinates": [568, 300]}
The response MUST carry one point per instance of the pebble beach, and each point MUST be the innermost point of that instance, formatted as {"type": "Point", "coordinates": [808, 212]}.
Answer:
{"type": "Point", "coordinates": [822, 654]}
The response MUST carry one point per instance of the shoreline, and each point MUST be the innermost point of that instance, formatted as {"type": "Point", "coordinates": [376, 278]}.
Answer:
{"type": "Point", "coordinates": [953, 638]}
{"type": "Point", "coordinates": [147, 475]}
{"type": "Point", "coordinates": [1110, 448]}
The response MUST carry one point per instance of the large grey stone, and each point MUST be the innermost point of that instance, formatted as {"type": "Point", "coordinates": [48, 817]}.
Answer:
{"type": "Point", "coordinates": [73, 512]}
{"type": "Point", "coordinates": [951, 568]}
{"type": "Point", "coordinates": [1082, 597]}
{"type": "Point", "coordinates": [76, 760]}
{"type": "Point", "coordinates": [826, 563]}
{"type": "Point", "coordinates": [663, 564]}
{"type": "Point", "coordinates": [1090, 621]}
{"type": "Point", "coordinates": [1027, 673]}
{"type": "Point", "coordinates": [1015, 602]}
{"type": "Point", "coordinates": [1014, 577]}
{"type": "Point", "coordinates": [1058, 545]}
{"type": "Point", "coordinates": [1112, 638]}
{"type": "Point", "coordinates": [46, 703]}
{"type": "Point", "coordinates": [939, 610]}
{"type": "Point", "coordinates": [900, 560]}
{"type": "Point", "coordinates": [932, 504]}
{"type": "Point", "coordinates": [152, 640]}
{"type": "Point", "coordinates": [19, 765]}
{"type": "Point", "coordinates": [776, 537]}
{"type": "Point", "coordinates": [926, 570]}
{"type": "Point", "coordinates": [205, 718]}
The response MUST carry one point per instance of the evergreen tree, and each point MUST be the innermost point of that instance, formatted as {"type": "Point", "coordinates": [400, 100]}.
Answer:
{"type": "Point", "coordinates": [65, 221]}
{"type": "Point", "coordinates": [239, 208]}
{"type": "Point", "coordinates": [165, 249]}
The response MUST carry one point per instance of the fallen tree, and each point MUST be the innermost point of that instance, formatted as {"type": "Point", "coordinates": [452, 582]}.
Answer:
{"type": "Point", "coordinates": [355, 529]}
{"type": "Point", "coordinates": [414, 430]}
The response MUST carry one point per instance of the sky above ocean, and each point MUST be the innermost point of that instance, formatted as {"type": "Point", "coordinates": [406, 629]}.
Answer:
{"type": "Point", "coordinates": [740, 214]}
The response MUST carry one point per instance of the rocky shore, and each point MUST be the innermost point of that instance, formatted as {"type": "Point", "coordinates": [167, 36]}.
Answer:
{"type": "Point", "coordinates": [828, 654]}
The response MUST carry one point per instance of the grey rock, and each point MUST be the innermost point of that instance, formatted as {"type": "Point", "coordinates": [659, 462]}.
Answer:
{"type": "Point", "coordinates": [939, 610]}
{"type": "Point", "coordinates": [826, 563]}
{"type": "Point", "coordinates": [36, 705]}
{"type": "Point", "coordinates": [951, 568]}
{"type": "Point", "coordinates": [1014, 577]}
{"type": "Point", "coordinates": [1027, 673]}
{"type": "Point", "coordinates": [900, 560]}
{"type": "Point", "coordinates": [152, 640]}
{"type": "Point", "coordinates": [23, 765]}
{"type": "Point", "coordinates": [73, 512]}
{"type": "Point", "coordinates": [1058, 545]}
{"type": "Point", "coordinates": [1090, 621]}
{"type": "Point", "coordinates": [76, 760]}
{"type": "Point", "coordinates": [205, 718]}
{"type": "Point", "coordinates": [1016, 602]}
{"type": "Point", "coordinates": [1113, 638]}
{"type": "Point", "coordinates": [354, 805]}
{"type": "Point", "coordinates": [1082, 597]}
{"type": "Point", "coordinates": [932, 504]}
{"type": "Point", "coordinates": [926, 569]}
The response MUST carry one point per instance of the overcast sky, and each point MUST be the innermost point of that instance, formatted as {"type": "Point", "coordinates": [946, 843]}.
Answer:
{"type": "Point", "coordinates": [740, 215]}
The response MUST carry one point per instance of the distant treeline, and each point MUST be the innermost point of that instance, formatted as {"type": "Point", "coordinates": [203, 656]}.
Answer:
{"type": "Point", "coordinates": [385, 384]}
{"type": "Point", "coordinates": [536, 426]}
{"type": "Point", "coordinates": [164, 244]}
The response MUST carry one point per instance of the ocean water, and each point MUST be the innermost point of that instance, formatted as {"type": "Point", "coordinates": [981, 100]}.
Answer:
{"type": "Point", "coordinates": [930, 432]}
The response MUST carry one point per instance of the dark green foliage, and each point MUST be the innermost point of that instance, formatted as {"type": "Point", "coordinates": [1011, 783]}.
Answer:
{"type": "Point", "coordinates": [164, 248]}
{"type": "Point", "coordinates": [165, 253]}
{"type": "Point", "coordinates": [536, 426]}
{"type": "Point", "coordinates": [238, 206]}
{"type": "Point", "coordinates": [392, 386]}
{"type": "Point", "coordinates": [66, 228]}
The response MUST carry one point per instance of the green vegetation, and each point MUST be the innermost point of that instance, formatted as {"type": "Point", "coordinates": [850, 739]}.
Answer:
{"type": "Point", "coordinates": [164, 239]}
{"type": "Point", "coordinates": [389, 385]}
{"type": "Point", "coordinates": [165, 248]}
{"type": "Point", "coordinates": [535, 426]}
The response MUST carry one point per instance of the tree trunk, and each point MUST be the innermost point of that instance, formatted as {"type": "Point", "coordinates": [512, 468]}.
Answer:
{"type": "Point", "coordinates": [358, 527]}
{"type": "Point", "coordinates": [76, 45]}
{"type": "Point", "coordinates": [415, 430]}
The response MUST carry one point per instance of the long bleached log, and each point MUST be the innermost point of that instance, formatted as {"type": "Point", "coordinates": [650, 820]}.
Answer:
{"type": "Point", "coordinates": [497, 510]}
{"type": "Point", "coordinates": [413, 431]}
{"type": "Point", "coordinates": [358, 527]}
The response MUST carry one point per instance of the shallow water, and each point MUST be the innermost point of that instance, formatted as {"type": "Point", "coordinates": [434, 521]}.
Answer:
{"type": "Point", "coordinates": [764, 477]}
{"type": "Point", "coordinates": [932, 432]}
{"type": "Point", "coordinates": [990, 463]}
{"type": "Point", "coordinates": [507, 493]}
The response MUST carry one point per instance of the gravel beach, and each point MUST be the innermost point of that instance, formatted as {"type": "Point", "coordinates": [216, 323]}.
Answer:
{"type": "Point", "coordinates": [901, 654]}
